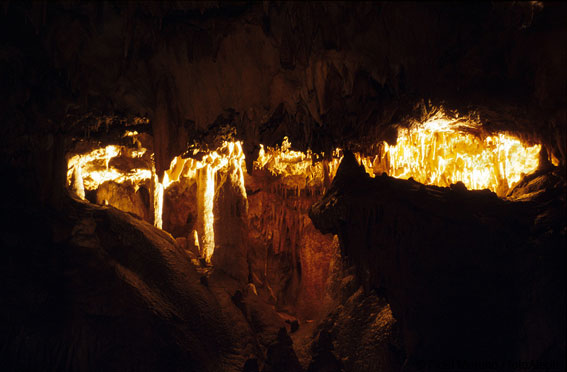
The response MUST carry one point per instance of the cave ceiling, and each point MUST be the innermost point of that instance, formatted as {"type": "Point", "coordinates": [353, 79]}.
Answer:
{"type": "Point", "coordinates": [324, 74]}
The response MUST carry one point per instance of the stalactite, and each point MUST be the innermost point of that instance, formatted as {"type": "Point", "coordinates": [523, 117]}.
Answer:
{"type": "Point", "coordinates": [157, 201]}
{"type": "Point", "coordinates": [442, 151]}
{"type": "Point", "coordinates": [77, 183]}
{"type": "Point", "coordinates": [205, 217]}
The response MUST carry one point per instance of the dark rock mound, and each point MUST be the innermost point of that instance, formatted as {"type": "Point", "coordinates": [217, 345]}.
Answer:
{"type": "Point", "coordinates": [93, 288]}
{"type": "Point", "coordinates": [469, 277]}
{"type": "Point", "coordinates": [281, 356]}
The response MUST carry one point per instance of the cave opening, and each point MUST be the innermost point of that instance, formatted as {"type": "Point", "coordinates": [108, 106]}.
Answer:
{"type": "Point", "coordinates": [219, 186]}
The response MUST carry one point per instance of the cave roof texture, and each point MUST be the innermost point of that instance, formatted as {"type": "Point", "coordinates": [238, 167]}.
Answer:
{"type": "Point", "coordinates": [325, 74]}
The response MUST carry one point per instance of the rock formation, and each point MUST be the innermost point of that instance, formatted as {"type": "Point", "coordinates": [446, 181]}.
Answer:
{"type": "Point", "coordinates": [98, 289]}
{"type": "Point", "coordinates": [469, 277]}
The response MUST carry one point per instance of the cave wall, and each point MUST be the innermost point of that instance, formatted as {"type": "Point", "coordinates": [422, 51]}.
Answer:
{"type": "Point", "coordinates": [261, 233]}
{"type": "Point", "coordinates": [231, 223]}
{"type": "Point", "coordinates": [180, 208]}
{"type": "Point", "coordinates": [124, 197]}
{"type": "Point", "coordinates": [286, 252]}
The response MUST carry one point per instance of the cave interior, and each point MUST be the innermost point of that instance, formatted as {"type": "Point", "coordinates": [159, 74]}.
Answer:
{"type": "Point", "coordinates": [283, 186]}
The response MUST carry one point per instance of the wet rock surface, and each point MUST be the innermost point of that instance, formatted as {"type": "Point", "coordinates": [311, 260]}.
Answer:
{"type": "Point", "coordinates": [467, 275]}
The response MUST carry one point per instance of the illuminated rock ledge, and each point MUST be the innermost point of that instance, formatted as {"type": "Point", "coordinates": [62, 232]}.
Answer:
{"type": "Point", "coordinates": [443, 151]}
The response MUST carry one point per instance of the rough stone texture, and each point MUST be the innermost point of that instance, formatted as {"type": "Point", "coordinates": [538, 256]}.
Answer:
{"type": "Point", "coordinates": [317, 253]}
{"type": "Point", "coordinates": [180, 208]}
{"type": "Point", "coordinates": [287, 253]}
{"type": "Point", "coordinates": [231, 224]}
{"type": "Point", "coordinates": [274, 245]}
{"type": "Point", "coordinates": [96, 289]}
{"type": "Point", "coordinates": [256, 322]}
{"type": "Point", "coordinates": [125, 197]}
{"type": "Point", "coordinates": [281, 357]}
{"type": "Point", "coordinates": [358, 333]}
{"type": "Point", "coordinates": [366, 318]}
{"type": "Point", "coordinates": [468, 276]}
{"type": "Point", "coordinates": [323, 357]}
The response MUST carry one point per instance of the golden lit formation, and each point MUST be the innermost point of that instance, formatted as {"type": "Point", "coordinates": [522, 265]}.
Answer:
{"type": "Point", "coordinates": [158, 200]}
{"type": "Point", "coordinates": [90, 170]}
{"type": "Point", "coordinates": [298, 170]}
{"type": "Point", "coordinates": [94, 168]}
{"type": "Point", "coordinates": [440, 152]}
{"type": "Point", "coordinates": [443, 151]}
{"type": "Point", "coordinates": [203, 172]}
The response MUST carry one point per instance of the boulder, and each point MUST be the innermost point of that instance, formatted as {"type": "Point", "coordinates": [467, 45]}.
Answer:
{"type": "Point", "coordinates": [108, 291]}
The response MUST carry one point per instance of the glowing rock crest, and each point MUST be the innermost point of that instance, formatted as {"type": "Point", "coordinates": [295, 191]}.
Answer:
{"type": "Point", "coordinates": [95, 169]}
{"type": "Point", "coordinates": [298, 170]}
{"type": "Point", "coordinates": [203, 172]}
{"type": "Point", "coordinates": [442, 151]}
